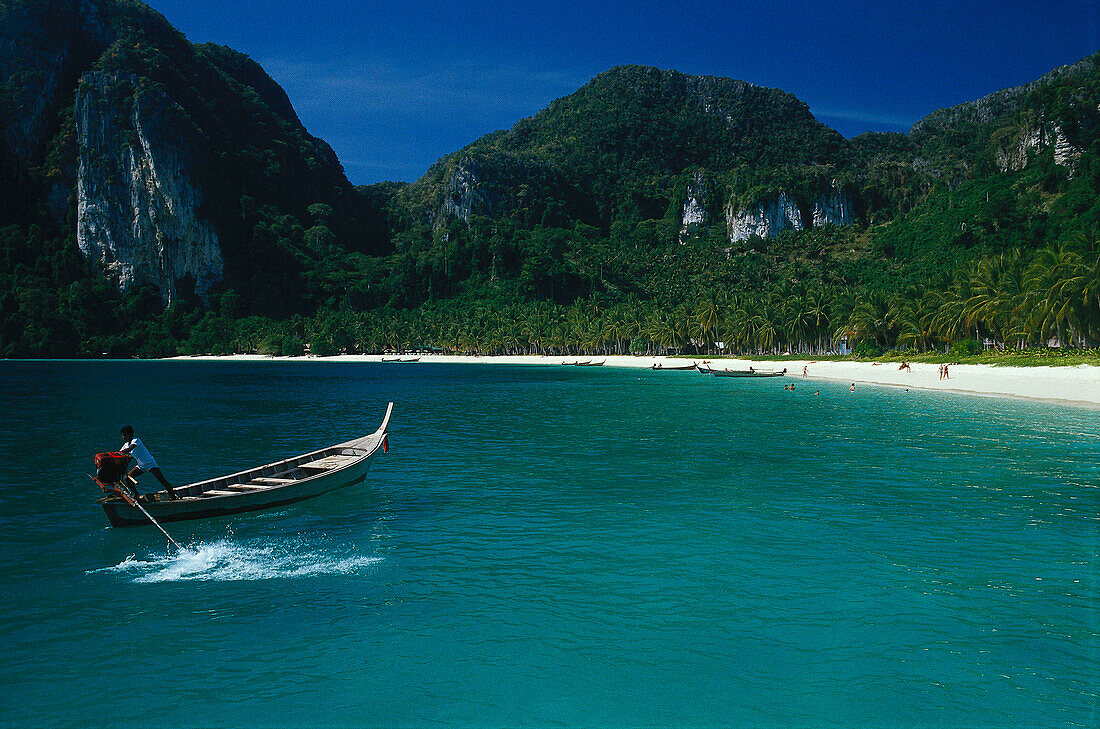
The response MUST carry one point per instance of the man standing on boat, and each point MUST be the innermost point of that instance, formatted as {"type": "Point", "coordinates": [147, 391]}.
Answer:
{"type": "Point", "coordinates": [144, 460]}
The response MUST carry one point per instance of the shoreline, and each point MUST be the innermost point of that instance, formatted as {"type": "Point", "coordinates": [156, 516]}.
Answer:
{"type": "Point", "coordinates": [1074, 385]}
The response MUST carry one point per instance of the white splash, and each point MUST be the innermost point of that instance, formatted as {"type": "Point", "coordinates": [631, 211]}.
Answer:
{"type": "Point", "coordinates": [224, 560]}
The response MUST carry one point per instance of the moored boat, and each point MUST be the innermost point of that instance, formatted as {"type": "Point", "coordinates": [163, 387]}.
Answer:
{"type": "Point", "coordinates": [747, 373]}
{"type": "Point", "coordinates": [263, 487]}
{"type": "Point", "coordinates": [661, 367]}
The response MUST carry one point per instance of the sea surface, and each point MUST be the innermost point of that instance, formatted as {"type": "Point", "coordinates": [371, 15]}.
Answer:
{"type": "Point", "coordinates": [551, 546]}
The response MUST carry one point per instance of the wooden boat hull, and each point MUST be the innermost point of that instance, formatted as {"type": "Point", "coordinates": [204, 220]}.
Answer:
{"type": "Point", "coordinates": [264, 487]}
{"type": "Point", "coordinates": [672, 368]}
{"type": "Point", "coordinates": [745, 373]}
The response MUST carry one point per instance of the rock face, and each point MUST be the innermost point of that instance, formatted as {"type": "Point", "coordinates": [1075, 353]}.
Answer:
{"type": "Point", "coordinates": [463, 195]}
{"type": "Point", "coordinates": [1014, 157]}
{"type": "Point", "coordinates": [1033, 132]}
{"type": "Point", "coordinates": [770, 217]}
{"type": "Point", "coordinates": [1035, 139]}
{"type": "Point", "coordinates": [833, 207]}
{"type": "Point", "coordinates": [694, 215]}
{"type": "Point", "coordinates": [137, 206]}
{"type": "Point", "coordinates": [767, 219]}
{"type": "Point", "coordinates": [1066, 153]}
{"type": "Point", "coordinates": [998, 104]}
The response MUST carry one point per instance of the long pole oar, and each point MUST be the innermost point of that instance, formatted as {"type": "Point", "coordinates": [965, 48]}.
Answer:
{"type": "Point", "coordinates": [135, 502]}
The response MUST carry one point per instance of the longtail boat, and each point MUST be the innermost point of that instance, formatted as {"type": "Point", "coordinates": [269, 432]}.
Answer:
{"type": "Point", "coordinates": [263, 487]}
{"type": "Point", "coordinates": [661, 367]}
{"type": "Point", "coordinates": [747, 373]}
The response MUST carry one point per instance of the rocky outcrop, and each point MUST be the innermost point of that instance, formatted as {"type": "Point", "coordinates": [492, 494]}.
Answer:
{"type": "Point", "coordinates": [833, 207]}
{"type": "Point", "coordinates": [770, 217]}
{"type": "Point", "coordinates": [766, 219]}
{"type": "Point", "coordinates": [495, 185]}
{"type": "Point", "coordinates": [462, 193]}
{"type": "Point", "coordinates": [694, 213]}
{"type": "Point", "coordinates": [998, 104]}
{"type": "Point", "coordinates": [1035, 139]}
{"type": "Point", "coordinates": [1066, 153]}
{"type": "Point", "coordinates": [137, 206]}
{"type": "Point", "coordinates": [1014, 157]}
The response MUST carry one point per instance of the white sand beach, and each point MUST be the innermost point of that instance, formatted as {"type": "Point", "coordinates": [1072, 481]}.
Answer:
{"type": "Point", "coordinates": [1076, 385]}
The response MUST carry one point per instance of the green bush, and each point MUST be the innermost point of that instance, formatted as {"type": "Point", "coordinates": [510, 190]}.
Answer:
{"type": "Point", "coordinates": [867, 349]}
{"type": "Point", "coordinates": [965, 348]}
{"type": "Point", "coordinates": [282, 345]}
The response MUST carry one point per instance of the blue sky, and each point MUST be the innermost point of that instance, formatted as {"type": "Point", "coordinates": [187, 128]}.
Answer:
{"type": "Point", "coordinates": [393, 86]}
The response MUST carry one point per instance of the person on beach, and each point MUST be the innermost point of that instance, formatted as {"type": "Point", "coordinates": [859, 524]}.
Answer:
{"type": "Point", "coordinates": [946, 376]}
{"type": "Point", "coordinates": [144, 460]}
{"type": "Point", "coordinates": [804, 370]}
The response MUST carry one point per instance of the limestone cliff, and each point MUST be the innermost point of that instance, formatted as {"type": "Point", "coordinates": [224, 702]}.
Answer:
{"type": "Point", "coordinates": [1034, 139]}
{"type": "Point", "coordinates": [770, 217]}
{"type": "Point", "coordinates": [463, 194]}
{"type": "Point", "coordinates": [137, 205]}
{"type": "Point", "coordinates": [833, 207]}
{"type": "Point", "coordinates": [766, 219]}
{"type": "Point", "coordinates": [492, 184]}
{"type": "Point", "coordinates": [1057, 111]}
{"type": "Point", "coordinates": [695, 213]}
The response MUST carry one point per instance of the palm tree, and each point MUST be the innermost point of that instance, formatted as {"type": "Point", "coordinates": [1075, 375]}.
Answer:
{"type": "Point", "coordinates": [997, 295]}
{"type": "Point", "coordinates": [817, 305]}
{"type": "Point", "coordinates": [767, 326]}
{"type": "Point", "coordinates": [951, 321]}
{"type": "Point", "coordinates": [873, 319]}
{"type": "Point", "coordinates": [708, 319]}
{"type": "Point", "coordinates": [1065, 283]}
{"type": "Point", "coordinates": [797, 322]}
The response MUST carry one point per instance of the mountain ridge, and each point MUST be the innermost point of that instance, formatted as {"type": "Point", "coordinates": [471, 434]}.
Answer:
{"type": "Point", "coordinates": [142, 171]}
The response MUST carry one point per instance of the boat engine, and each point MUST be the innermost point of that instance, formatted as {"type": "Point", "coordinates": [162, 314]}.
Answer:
{"type": "Point", "coordinates": [111, 467]}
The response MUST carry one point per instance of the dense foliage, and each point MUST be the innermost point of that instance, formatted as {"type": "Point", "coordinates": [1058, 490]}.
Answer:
{"type": "Point", "coordinates": [563, 234]}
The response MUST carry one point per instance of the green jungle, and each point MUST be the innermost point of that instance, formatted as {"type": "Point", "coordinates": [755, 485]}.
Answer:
{"type": "Point", "coordinates": [977, 232]}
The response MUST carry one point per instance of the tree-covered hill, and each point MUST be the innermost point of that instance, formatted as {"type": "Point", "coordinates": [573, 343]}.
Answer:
{"type": "Point", "coordinates": [103, 102]}
{"type": "Point", "coordinates": [613, 149]}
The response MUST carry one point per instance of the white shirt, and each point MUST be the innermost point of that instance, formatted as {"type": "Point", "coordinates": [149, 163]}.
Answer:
{"type": "Point", "coordinates": [141, 454]}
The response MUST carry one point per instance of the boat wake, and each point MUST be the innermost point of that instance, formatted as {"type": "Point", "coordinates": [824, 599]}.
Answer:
{"type": "Point", "coordinates": [228, 561]}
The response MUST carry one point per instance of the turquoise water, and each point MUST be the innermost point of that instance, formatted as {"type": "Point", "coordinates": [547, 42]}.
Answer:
{"type": "Point", "coordinates": [552, 546]}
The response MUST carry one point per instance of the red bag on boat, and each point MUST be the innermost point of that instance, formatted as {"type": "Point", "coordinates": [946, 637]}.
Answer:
{"type": "Point", "coordinates": [110, 467]}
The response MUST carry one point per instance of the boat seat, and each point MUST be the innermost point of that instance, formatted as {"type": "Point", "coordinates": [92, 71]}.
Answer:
{"type": "Point", "coordinates": [328, 463]}
{"type": "Point", "coordinates": [269, 481]}
{"type": "Point", "coordinates": [219, 492]}
{"type": "Point", "coordinates": [248, 487]}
